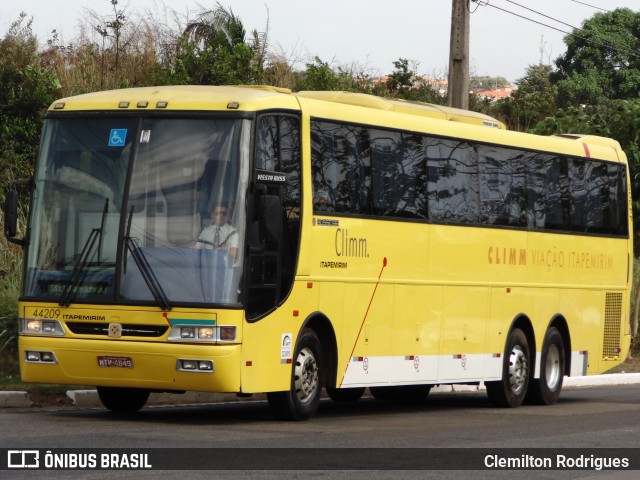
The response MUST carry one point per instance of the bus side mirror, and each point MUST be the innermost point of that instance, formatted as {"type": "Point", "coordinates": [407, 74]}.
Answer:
{"type": "Point", "coordinates": [11, 216]}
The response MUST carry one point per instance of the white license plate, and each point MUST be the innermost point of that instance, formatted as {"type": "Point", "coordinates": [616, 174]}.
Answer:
{"type": "Point", "coordinates": [115, 362]}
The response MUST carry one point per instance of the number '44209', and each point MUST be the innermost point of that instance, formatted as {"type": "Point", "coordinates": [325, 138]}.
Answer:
{"type": "Point", "coordinates": [46, 313]}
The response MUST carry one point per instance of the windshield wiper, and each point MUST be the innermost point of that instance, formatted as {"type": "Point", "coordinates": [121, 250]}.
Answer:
{"type": "Point", "coordinates": [145, 269]}
{"type": "Point", "coordinates": [76, 278]}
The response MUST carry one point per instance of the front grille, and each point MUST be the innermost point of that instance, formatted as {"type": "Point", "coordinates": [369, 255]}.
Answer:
{"type": "Point", "coordinates": [84, 328]}
{"type": "Point", "coordinates": [612, 325]}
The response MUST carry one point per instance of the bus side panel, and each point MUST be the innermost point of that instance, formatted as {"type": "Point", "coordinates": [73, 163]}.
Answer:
{"type": "Point", "coordinates": [591, 333]}
{"type": "Point", "coordinates": [269, 343]}
{"type": "Point", "coordinates": [506, 305]}
{"type": "Point", "coordinates": [369, 312]}
{"type": "Point", "coordinates": [540, 305]}
{"type": "Point", "coordinates": [571, 306]}
{"type": "Point", "coordinates": [463, 334]}
{"type": "Point", "coordinates": [415, 346]}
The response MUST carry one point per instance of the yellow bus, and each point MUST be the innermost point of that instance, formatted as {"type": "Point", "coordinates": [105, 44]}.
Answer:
{"type": "Point", "coordinates": [251, 239]}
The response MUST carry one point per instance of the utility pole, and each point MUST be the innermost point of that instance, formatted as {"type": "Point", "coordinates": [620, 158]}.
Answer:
{"type": "Point", "coordinates": [459, 55]}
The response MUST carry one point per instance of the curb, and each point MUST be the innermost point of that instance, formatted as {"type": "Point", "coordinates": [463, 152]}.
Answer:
{"type": "Point", "coordinates": [15, 400]}
{"type": "Point", "coordinates": [89, 398]}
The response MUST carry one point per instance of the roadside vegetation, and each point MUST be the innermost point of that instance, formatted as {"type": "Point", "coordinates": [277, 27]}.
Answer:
{"type": "Point", "coordinates": [592, 88]}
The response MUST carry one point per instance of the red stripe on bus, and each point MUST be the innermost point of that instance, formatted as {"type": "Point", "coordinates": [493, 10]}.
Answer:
{"type": "Point", "coordinates": [375, 289]}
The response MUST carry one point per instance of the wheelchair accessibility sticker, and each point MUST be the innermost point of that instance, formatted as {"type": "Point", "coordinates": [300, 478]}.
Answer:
{"type": "Point", "coordinates": [117, 137]}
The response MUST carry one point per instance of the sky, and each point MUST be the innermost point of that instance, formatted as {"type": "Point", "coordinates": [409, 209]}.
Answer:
{"type": "Point", "coordinates": [371, 34]}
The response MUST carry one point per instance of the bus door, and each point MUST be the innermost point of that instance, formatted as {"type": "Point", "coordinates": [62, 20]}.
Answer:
{"type": "Point", "coordinates": [274, 221]}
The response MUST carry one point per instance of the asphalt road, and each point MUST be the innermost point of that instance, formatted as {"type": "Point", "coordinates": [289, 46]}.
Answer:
{"type": "Point", "coordinates": [388, 438]}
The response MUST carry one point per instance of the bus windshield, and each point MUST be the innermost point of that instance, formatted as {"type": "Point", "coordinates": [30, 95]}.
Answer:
{"type": "Point", "coordinates": [129, 209]}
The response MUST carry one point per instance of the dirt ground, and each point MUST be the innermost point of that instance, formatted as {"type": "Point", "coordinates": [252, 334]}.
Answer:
{"type": "Point", "coordinates": [48, 398]}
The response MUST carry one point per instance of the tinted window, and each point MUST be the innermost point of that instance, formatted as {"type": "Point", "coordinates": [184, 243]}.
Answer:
{"type": "Point", "coordinates": [341, 168]}
{"type": "Point", "coordinates": [412, 179]}
{"type": "Point", "coordinates": [278, 150]}
{"type": "Point", "coordinates": [547, 192]}
{"type": "Point", "coordinates": [361, 170]}
{"type": "Point", "coordinates": [386, 160]}
{"type": "Point", "coordinates": [617, 199]}
{"type": "Point", "coordinates": [502, 186]}
{"type": "Point", "coordinates": [452, 182]}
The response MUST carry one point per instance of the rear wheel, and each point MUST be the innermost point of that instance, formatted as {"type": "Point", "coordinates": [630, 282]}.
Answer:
{"type": "Point", "coordinates": [401, 393]}
{"type": "Point", "coordinates": [546, 389]}
{"type": "Point", "coordinates": [303, 398]}
{"type": "Point", "coordinates": [511, 390]}
{"type": "Point", "coordinates": [345, 394]}
{"type": "Point", "coordinates": [123, 400]}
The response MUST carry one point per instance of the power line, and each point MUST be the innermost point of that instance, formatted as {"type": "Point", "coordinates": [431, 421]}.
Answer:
{"type": "Point", "coordinates": [527, 18]}
{"type": "Point", "coordinates": [590, 41]}
{"type": "Point", "coordinates": [542, 14]}
{"type": "Point", "coordinates": [592, 6]}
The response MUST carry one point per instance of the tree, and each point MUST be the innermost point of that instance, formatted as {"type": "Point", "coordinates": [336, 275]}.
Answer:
{"type": "Point", "coordinates": [406, 84]}
{"type": "Point", "coordinates": [400, 81]}
{"type": "Point", "coordinates": [602, 60]}
{"type": "Point", "coordinates": [118, 50]}
{"type": "Point", "coordinates": [484, 82]}
{"type": "Point", "coordinates": [320, 76]}
{"type": "Point", "coordinates": [213, 50]}
{"type": "Point", "coordinates": [27, 90]}
{"type": "Point", "coordinates": [531, 102]}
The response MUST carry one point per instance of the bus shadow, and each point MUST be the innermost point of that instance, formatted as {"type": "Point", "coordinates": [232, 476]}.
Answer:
{"type": "Point", "coordinates": [246, 412]}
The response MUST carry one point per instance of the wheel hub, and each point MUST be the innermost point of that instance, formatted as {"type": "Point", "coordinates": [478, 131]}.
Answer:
{"type": "Point", "coordinates": [305, 375]}
{"type": "Point", "coordinates": [518, 370]}
{"type": "Point", "coordinates": [552, 367]}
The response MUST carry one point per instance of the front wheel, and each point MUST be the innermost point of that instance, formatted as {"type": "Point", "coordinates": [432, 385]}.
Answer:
{"type": "Point", "coordinates": [546, 389]}
{"type": "Point", "coordinates": [511, 390]}
{"type": "Point", "coordinates": [301, 401]}
{"type": "Point", "coordinates": [123, 400]}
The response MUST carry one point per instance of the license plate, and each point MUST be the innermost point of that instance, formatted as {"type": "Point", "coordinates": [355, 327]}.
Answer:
{"type": "Point", "coordinates": [115, 362]}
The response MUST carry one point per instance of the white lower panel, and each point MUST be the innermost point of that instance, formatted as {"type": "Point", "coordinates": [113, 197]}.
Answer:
{"type": "Point", "coordinates": [579, 363]}
{"type": "Point", "coordinates": [436, 369]}
{"type": "Point", "coordinates": [428, 369]}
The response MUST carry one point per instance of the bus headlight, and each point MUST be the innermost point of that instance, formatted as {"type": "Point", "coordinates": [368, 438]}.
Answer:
{"type": "Point", "coordinates": [189, 365]}
{"type": "Point", "coordinates": [206, 333]}
{"type": "Point", "coordinates": [35, 326]}
{"type": "Point", "coordinates": [35, 356]}
{"type": "Point", "coordinates": [187, 332]}
{"type": "Point", "coordinates": [227, 334]}
{"type": "Point", "coordinates": [197, 333]}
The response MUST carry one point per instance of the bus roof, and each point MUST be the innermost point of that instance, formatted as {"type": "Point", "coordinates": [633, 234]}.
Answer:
{"type": "Point", "coordinates": [253, 97]}
{"type": "Point", "coordinates": [405, 106]}
{"type": "Point", "coordinates": [181, 97]}
{"type": "Point", "coordinates": [263, 97]}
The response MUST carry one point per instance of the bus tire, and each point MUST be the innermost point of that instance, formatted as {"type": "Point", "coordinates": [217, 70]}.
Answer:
{"type": "Point", "coordinates": [345, 394]}
{"type": "Point", "coordinates": [123, 400]}
{"type": "Point", "coordinates": [511, 390]}
{"type": "Point", "coordinates": [401, 393]}
{"type": "Point", "coordinates": [546, 389]}
{"type": "Point", "coordinates": [307, 379]}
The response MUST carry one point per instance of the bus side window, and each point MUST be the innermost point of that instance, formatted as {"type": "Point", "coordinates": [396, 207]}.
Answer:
{"type": "Point", "coordinates": [452, 182]}
{"type": "Point", "coordinates": [617, 195]}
